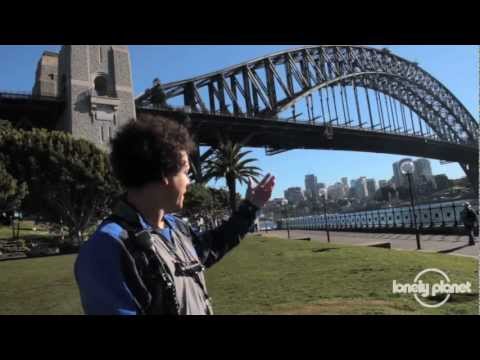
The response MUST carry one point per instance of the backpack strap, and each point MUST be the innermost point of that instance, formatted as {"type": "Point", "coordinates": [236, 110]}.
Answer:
{"type": "Point", "coordinates": [185, 230]}
{"type": "Point", "coordinates": [151, 282]}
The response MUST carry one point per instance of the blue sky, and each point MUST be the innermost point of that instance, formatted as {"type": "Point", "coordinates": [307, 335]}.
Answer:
{"type": "Point", "coordinates": [455, 66]}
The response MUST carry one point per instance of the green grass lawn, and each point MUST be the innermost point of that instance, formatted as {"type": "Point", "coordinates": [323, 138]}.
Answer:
{"type": "Point", "coordinates": [267, 276]}
{"type": "Point", "coordinates": [25, 231]}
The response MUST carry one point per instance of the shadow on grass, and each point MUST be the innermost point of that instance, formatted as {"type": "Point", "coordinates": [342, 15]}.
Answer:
{"type": "Point", "coordinates": [462, 298]}
{"type": "Point", "coordinates": [454, 298]}
{"type": "Point", "coordinates": [446, 251]}
{"type": "Point", "coordinates": [323, 250]}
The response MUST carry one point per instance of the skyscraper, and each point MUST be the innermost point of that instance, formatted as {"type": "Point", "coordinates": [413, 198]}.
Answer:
{"type": "Point", "coordinates": [371, 187]}
{"type": "Point", "coordinates": [423, 172]}
{"type": "Point", "coordinates": [311, 186]}
{"type": "Point", "coordinates": [294, 195]}
{"type": "Point", "coordinates": [336, 191]}
{"type": "Point", "coordinates": [362, 190]}
{"type": "Point", "coordinates": [399, 179]}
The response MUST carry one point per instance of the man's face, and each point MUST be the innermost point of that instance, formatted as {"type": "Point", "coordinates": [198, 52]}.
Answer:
{"type": "Point", "coordinates": [178, 184]}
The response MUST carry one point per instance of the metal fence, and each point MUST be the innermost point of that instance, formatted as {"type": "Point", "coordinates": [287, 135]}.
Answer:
{"type": "Point", "coordinates": [433, 216]}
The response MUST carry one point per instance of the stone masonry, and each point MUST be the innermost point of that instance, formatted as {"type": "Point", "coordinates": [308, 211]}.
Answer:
{"type": "Point", "coordinates": [96, 83]}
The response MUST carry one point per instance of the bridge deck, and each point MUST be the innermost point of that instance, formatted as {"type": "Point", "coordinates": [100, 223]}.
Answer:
{"type": "Point", "coordinates": [289, 135]}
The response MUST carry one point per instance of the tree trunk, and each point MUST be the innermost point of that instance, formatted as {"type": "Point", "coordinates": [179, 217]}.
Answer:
{"type": "Point", "coordinates": [232, 191]}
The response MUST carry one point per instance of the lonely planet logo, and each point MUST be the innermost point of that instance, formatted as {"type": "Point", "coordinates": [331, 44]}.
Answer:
{"type": "Point", "coordinates": [431, 290]}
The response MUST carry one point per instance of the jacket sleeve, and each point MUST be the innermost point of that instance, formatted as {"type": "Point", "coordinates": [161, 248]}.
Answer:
{"type": "Point", "coordinates": [99, 275]}
{"type": "Point", "coordinates": [212, 245]}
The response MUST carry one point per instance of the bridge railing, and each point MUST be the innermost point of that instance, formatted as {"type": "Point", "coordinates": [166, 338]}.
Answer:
{"type": "Point", "coordinates": [439, 217]}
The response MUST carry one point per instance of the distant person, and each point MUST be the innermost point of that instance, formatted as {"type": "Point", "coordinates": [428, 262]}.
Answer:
{"type": "Point", "coordinates": [469, 218]}
{"type": "Point", "coordinates": [143, 260]}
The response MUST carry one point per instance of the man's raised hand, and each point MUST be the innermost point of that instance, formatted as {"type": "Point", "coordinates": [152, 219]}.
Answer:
{"type": "Point", "coordinates": [259, 194]}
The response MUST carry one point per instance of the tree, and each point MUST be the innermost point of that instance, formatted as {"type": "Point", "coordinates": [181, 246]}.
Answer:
{"type": "Point", "coordinates": [207, 203]}
{"type": "Point", "coordinates": [11, 192]}
{"type": "Point", "coordinates": [5, 124]}
{"type": "Point", "coordinates": [229, 162]}
{"type": "Point", "coordinates": [198, 202]}
{"type": "Point", "coordinates": [69, 180]}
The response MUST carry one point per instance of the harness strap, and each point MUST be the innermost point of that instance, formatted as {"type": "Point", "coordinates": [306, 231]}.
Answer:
{"type": "Point", "coordinates": [160, 297]}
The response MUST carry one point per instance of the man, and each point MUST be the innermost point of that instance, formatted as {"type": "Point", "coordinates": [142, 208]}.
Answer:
{"type": "Point", "coordinates": [469, 218]}
{"type": "Point", "coordinates": [143, 259]}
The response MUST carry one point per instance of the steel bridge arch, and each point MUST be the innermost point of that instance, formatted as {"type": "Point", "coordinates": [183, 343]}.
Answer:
{"type": "Point", "coordinates": [383, 83]}
{"type": "Point", "coordinates": [315, 67]}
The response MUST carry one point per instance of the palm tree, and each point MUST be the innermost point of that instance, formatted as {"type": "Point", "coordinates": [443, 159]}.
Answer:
{"type": "Point", "coordinates": [227, 161]}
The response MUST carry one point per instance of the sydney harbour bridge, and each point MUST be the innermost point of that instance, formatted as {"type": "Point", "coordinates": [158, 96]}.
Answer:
{"type": "Point", "coordinates": [353, 98]}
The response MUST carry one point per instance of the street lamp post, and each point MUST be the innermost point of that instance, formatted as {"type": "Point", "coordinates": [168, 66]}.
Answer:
{"type": "Point", "coordinates": [325, 216]}
{"type": "Point", "coordinates": [407, 168]}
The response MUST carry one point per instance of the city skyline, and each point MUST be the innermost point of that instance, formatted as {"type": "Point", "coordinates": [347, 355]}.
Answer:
{"type": "Point", "coordinates": [454, 66]}
{"type": "Point", "coordinates": [419, 170]}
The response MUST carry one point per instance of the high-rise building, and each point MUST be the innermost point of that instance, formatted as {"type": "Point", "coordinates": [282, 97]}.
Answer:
{"type": "Point", "coordinates": [294, 195]}
{"type": "Point", "coordinates": [382, 183]}
{"type": "Point", "coordinates": [423, 172]}
{"type": "Point", "coordinates": [345, 183]}
{"type": "Point", "coordinates": [371, 187]}
{"type": "Point", "coordinates": [361, 190]}
{"type": "Point", "coordinates": [322, 190]}
{"type": "Point", "coordinates": [399, 179]}
{"type": "Point", "coordinates": [311, 186]}
{"type": "Point", "coordinates": [336, 191]}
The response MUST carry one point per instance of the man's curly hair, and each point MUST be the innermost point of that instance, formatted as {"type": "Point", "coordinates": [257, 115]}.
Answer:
{"type": "Point", "coordinates": [148, 149]}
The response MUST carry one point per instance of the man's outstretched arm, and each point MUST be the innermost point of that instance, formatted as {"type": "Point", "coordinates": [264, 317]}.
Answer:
{"type": "Point", "coordinates": [212, 245]}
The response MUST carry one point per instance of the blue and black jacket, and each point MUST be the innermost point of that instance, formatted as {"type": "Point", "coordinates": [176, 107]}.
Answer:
{"type": "Point", "coordinates": [104, 273]}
